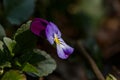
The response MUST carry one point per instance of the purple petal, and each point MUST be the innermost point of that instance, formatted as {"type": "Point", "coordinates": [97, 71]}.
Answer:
{"type": "Point", "coordinates": [63, 49]}
{"type": "Point", "coordinates": [49, 34]}
{"type": "Point", "coordinates": [61, 53]}
{"type": "Point", "coordinates": [38, 25]}
{"type": "Point", "coordinates": [66, 48]}
{"type": "Point", "coordinates": [52, 29]}
{"type": "Point", "coordinates": [55, 29]}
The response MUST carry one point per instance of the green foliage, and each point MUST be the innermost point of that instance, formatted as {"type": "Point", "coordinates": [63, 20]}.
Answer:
{"type": "Point", "coordinates": [13, 75]}
{"type": "Point", "coordinates": [1, 46]}
{"type": "Point", "coordinates": [18, 11]}
{"type": "Point", "coordinates": [21, 55]}
{"type": "Point", "coordinates": [40, 64]}
{"type": "Point", "coordinates": [10, 44]}
{"type": "Point", "coordinates": [110, 77]}
{"type": "Point", "coordinates": [25, 39]}
{"type": "Point", "coordinates": [23, 28]}
{"type": "Point", "coordinates": [2, 32]}
{"type": "Point", "coordinates": [5, 55]}
{"type": "Point", "coordinates": [47, 65]}
{"type": "Point", "coordinates": [30, 69]}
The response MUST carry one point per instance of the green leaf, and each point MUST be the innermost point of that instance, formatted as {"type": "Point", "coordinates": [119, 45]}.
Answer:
{"type": "Point", "coordinates": [1, 71]}
{"type": "Point", "coordinates": [23, 28]}
{"type": "Point", "coordinates": [40, 64]}
{"type": "Point", "coordinates": [30, 68]}
{"type": "Point", "coordinates": [10, 44]}
{"type": "Point", "coordinates": [4, 59]}
{"type": "Point", "coordinates": [29, 57]}
{"type": "Point", "coordinates": [110, 77]}
{"type": "Point", "coordinates": [36, 57]}
{"type": "Point", "coordinates": [18, 11]}
{"type": "Point", "coordinates": [1, 45]}
{"type": "Point", "coordinates": [46, 66]}
{"type": "Point", "coordinates": [6, 52]}
{"type": "Point", "coordinates": [2, 32]}
{"type": "Point", "coordinates": [6, 64]}
{"type": "Point", "coordinates": [13, 75]}
{"type": "Point", "coordinates": [25, 39]}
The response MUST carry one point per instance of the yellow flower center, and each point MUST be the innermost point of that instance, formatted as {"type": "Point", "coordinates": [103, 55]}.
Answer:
{"type": "Point", "coordinates": [57, 41]}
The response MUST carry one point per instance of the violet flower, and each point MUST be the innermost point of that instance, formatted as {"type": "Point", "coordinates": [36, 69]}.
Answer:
{"type": "Point", "coordinates": [53, 35]}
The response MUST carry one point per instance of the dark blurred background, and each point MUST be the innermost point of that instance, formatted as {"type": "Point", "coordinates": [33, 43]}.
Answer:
{"type": "Point", "coordinates": [95, 22]}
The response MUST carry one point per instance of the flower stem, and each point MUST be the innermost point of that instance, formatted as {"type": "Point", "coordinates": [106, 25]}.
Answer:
{"type": "Point", "coordinates": [91, 61]}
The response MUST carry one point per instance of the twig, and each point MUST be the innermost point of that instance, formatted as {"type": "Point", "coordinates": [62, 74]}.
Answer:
{"type": "Point", "coordinates": [91, 61]}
